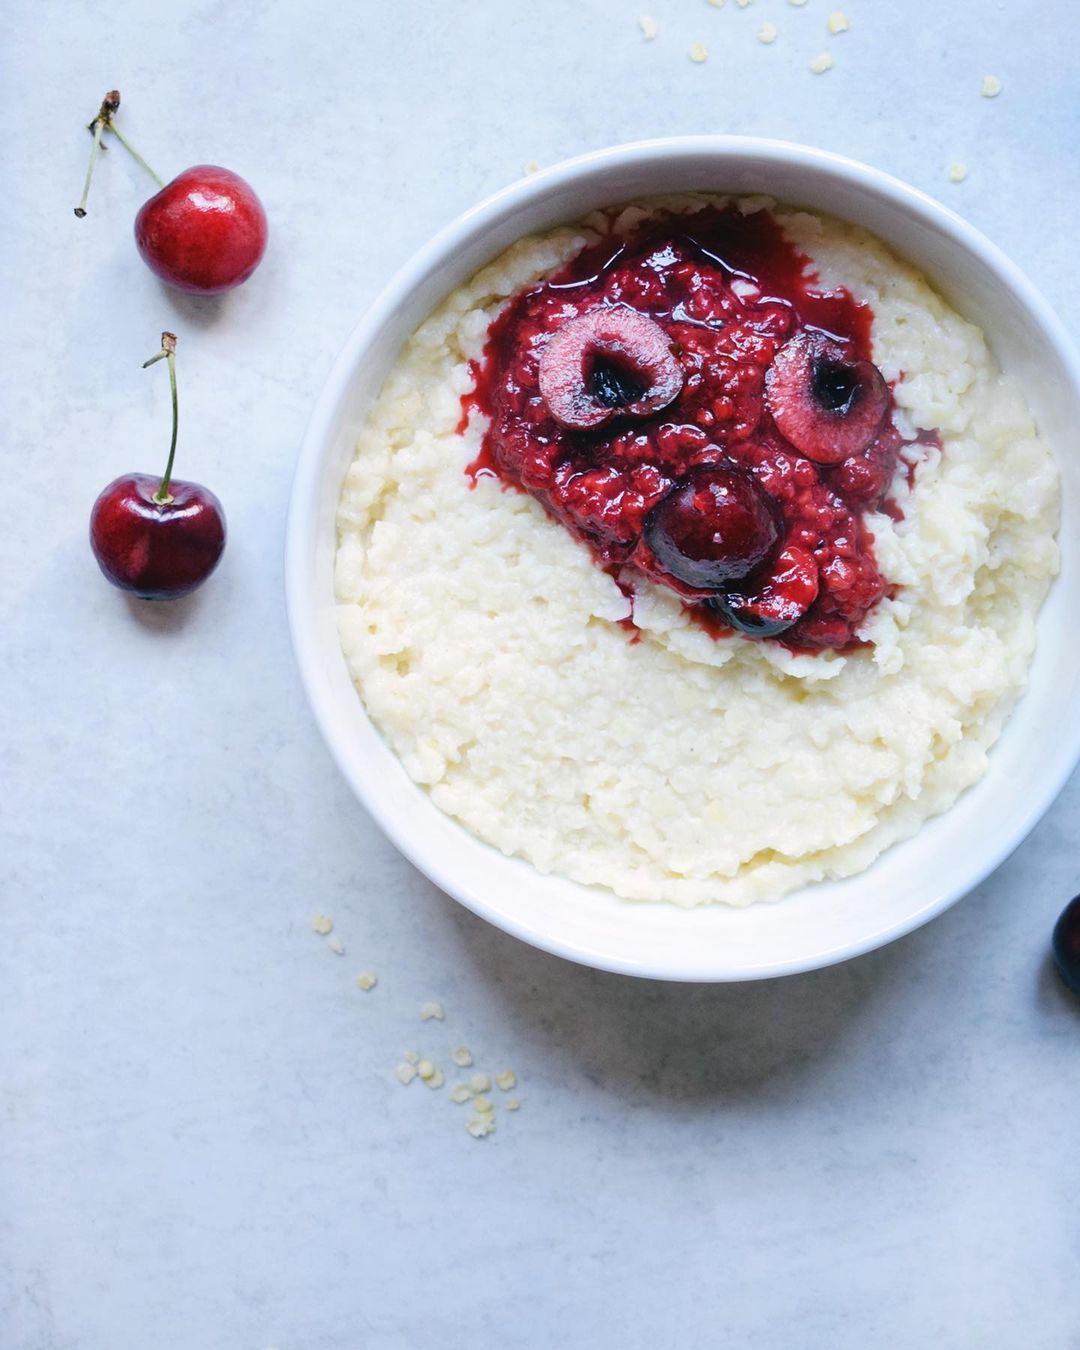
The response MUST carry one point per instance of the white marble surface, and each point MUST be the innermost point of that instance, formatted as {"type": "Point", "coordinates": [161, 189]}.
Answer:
{"type": "Point", "coordinates": [203, 1144]}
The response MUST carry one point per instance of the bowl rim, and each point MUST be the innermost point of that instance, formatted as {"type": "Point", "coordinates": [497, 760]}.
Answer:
{"type": "Point", "coordinates": [309, 469]}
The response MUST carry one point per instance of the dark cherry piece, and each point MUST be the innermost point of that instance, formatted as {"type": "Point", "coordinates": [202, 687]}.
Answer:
{"type": "Point", "coordinates": [205, 232]}
{"type": "Point", "coordinates": [826, 405]}
{"type": "Point", "coordinates": [611, 362]}
{"type": "Point", "coordinates": [1065, 945]}
{"type": "Point", "coordinates": [158, 538]}
{"type": "Point", "coordinates": [779, 598]}
{"type": "Point", "coordinates": [715, 527]}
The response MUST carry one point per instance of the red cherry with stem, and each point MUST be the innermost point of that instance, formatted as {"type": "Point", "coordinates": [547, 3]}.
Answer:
{"type": "Point", "coordinates": [204, 233]}
{"type": "Point", "coordinates": [158, 538]}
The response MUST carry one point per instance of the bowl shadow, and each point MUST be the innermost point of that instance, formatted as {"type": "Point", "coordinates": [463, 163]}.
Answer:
{"type": "Point", "coordinates": [668, 1043]}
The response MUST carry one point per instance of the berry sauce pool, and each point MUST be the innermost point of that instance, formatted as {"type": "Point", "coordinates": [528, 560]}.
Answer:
{"type": "Point", "coordinates": [730, 292]}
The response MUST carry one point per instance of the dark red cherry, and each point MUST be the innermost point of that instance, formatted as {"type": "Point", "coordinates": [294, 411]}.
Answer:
{"type": "Point", "coordinates": [715, 527]}
{"type": "Point", "coordinates": [826, 405]}
{"type": "Point", "coordinates": [611, 362]}
{"type": "Point", "coordinates": [1065, 945]}
{"type": "Point", "coordinates": [158, 538]}
{"type": "Point", "coordinates": [779, 598]}
{"type": "Point", "coordinates": [205, 232]}
{"type": "Point", "coordinates": [159, 550]}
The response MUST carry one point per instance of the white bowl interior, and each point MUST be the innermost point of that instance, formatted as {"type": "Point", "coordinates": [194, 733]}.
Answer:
{"type": "Point", "coordinates": [912, 881]}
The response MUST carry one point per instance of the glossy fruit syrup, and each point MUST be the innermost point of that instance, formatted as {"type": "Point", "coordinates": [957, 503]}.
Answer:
{"type": "Point", "coordinates": [692, 406]}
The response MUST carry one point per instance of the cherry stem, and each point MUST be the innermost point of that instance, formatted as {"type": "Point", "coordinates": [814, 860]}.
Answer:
{"type": "Point", "coordinates": [135, 154]}
{"type": "Point", "coordinates": [104, 119]}
{"type": "Point", "coordinates": [168, 353]}
{"type": "Point", "coordinates": [98, 125]}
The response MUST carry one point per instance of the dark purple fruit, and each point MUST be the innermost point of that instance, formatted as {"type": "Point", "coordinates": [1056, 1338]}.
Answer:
{"type": "Point", "coordinates": [612, 362]}
{"type": "Point", "coordinates": [715, 527]}
{"type": "Point", "coordinates": [158, 538]}
{"type": "Point", "coordinates": [826, 405]}
{"type": "Point", "coordinates": [778, 599]}
{"type": "Point", "coordinates": [1065, 944]}
{"type": "Point", "coordinates": [157, 548]}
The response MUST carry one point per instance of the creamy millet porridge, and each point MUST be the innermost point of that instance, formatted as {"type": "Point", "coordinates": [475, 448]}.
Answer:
{"type": "Point", "coordinates": [535, 626]}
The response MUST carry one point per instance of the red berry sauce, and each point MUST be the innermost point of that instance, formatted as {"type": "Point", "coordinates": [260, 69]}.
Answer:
{"type": "Point", "coordinates": [730, 291]}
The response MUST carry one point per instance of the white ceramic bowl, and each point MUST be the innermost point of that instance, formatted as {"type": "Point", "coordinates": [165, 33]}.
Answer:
{"type": "Point", "coordinates": [910, 883]}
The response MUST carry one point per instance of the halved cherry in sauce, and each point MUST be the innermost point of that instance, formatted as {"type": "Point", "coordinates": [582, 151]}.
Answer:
{"type": "Point", "coordinates": [611, 362]}
{"type": "Point", "coordinates": [828, 406]}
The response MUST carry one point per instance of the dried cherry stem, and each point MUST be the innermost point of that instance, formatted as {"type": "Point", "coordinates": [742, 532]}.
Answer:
{"type": "Point", "coordinates": [168, 354]}
{"type": "Point", "coordinates": [104, 119]}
